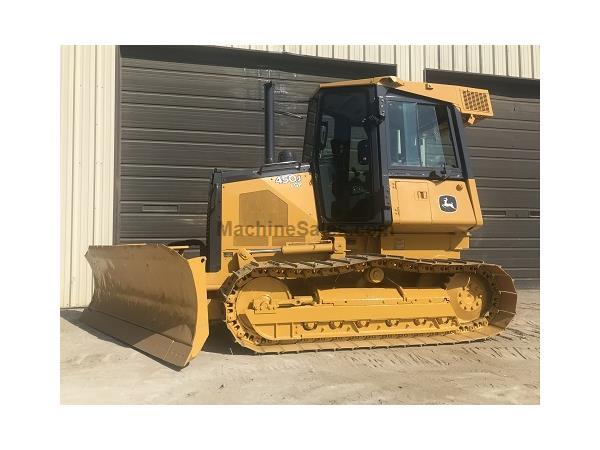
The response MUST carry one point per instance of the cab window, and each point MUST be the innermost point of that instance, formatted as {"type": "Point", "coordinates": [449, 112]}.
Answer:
{"type": "Point", "coordinates": [420, 135]}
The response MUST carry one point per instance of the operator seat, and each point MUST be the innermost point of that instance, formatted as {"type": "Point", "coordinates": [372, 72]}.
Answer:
{"type": "Point", "coordinates": [363, 207]}
{"type": "Point", "coordinates": [340, 148]}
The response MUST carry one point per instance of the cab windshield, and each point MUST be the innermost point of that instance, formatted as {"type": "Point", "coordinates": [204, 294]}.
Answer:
{"type": "Point", "coordinates": [420, 135]}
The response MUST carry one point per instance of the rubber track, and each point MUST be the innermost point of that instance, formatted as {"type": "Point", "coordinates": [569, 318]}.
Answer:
{"type": "Point", "coordinates": [504, 300]}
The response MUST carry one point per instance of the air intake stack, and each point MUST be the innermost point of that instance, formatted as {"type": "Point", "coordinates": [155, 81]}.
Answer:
{"type": "Point", "coordinates": [269, 123]}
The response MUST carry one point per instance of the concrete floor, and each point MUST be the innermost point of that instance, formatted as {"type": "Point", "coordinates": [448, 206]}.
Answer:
{"type": "Point", "coordinates": [96, 369]}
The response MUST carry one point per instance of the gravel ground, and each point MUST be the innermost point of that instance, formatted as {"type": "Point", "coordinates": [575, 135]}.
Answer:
{"type": "Point", "coordinates": [96, 369]}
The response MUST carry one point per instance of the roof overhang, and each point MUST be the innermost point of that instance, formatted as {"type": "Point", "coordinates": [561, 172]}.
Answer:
{"type": "Point", "coordinates": [473, 103]}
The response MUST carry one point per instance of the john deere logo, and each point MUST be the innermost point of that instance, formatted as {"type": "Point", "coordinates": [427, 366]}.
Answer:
{"type": "Point", "coordinates": [448, 203]}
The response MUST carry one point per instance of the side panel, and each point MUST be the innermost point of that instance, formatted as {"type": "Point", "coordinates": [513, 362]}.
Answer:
{"type": "Point", "coordinates": [431, 245]}
{"type": "Point", "coordinates": [264, 213]}
{"type": "Point", "coordinates": [269, 212]}
{"type": "Point", "coordinates": [422, 206]}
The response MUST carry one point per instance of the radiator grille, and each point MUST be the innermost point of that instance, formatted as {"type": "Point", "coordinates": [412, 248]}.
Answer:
{"type": "Point", "coordinates": [476, 101]}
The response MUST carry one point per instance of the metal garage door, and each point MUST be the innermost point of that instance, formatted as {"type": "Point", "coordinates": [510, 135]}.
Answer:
{"type": "Point", "coordinates": [505, 156]}
{"type": "Point", "coordinates": [184, 110]}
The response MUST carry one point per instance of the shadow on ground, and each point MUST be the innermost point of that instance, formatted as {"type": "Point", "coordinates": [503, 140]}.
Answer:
{"type": "Point", "coordinates": [219, 339]}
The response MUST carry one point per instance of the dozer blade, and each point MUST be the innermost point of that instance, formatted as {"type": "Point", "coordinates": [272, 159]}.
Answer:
{"type": "Point", "coordinates": [150, 297]}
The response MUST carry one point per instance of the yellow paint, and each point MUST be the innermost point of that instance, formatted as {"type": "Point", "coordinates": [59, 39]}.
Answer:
{"type": "Point", "coordinates": [416, 206]}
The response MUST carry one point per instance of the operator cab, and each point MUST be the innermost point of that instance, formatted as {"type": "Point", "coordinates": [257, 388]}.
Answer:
{"type": "Point", "coordinates": [357, 137]}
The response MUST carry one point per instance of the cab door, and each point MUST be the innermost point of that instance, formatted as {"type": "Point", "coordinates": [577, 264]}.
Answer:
{"type": "Point", "coordinates": [346, 161]}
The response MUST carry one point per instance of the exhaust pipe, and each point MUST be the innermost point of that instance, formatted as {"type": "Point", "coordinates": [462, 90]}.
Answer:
{"type": "Point", "coordinates": [269, 123]}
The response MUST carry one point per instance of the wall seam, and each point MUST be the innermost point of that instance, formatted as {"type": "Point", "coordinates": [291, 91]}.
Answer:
{"type": "Point", "coordinates": [423, 56]}
{"type": "Point", "coordinates": [72, 151]}
{"type": "Point", "coordinates": [95, 154]}
{"type": "Point", "coordinates": [116, 187]}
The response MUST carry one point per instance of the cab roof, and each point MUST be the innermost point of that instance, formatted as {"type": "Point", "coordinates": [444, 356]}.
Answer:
{"type": "Point", "coordinates": [473, 103]}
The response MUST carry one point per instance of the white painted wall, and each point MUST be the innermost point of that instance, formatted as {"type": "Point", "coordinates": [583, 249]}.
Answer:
{"type": "Point", "coordinates": [87, 121]}
{"type": "Point", "coordinates": [510, 60]}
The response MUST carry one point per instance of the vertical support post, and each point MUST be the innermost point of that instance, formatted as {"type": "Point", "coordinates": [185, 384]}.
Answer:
{"type": "Point", "coordinates": [269, 123]}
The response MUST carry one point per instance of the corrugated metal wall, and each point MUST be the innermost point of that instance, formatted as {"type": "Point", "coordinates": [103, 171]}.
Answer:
{"type": "Point", "coordinates": [510, 60]}
{"type": "Point", "coordinates": [505, 158]}
{"type": "Point", "coordinates": [87, 120]}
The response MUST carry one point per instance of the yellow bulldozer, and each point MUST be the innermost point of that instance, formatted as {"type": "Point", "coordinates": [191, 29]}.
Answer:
{"type": "Point", "coordinates": [355, 246]}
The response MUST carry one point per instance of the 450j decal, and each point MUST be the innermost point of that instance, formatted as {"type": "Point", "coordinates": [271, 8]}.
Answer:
{"type": "Point", "coordinates": [293, 179]}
